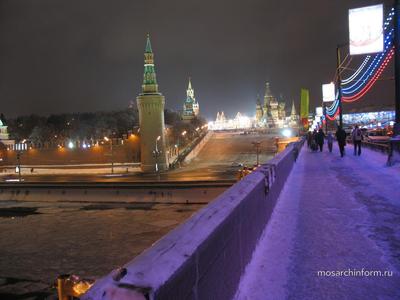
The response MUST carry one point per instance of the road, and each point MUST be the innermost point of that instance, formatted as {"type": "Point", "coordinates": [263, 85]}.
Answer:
{"type": "Point", "coordinates": [218, 160]}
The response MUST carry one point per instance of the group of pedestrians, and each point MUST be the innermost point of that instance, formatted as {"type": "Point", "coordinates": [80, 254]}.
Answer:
{"type": "Point", "coordinates": [316, 139]}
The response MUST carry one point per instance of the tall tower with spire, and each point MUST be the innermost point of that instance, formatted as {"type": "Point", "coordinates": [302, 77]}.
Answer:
{"type": "Point", "coordinates": [294, 118]}
{"type": "Point", "coordinates": [151, 118]}
{"type": "Point", "coordinates": [190, 107]}
{"type": "Point", "coordinates": [259, 110]}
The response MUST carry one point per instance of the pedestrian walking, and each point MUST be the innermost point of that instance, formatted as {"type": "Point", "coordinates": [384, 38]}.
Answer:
{"type": "Point", "coordinates": [309, 139]}
{"type": "Point", "coordinates": [341, 139]}
{"type": "Point", "coordinates": [357, 137]}
{"type": "Point", "coordinates": [329, 139]}
{"type": "Point", "coordinates": [314, 144]}
{"type": "Point", "coordinates": [320, 139]}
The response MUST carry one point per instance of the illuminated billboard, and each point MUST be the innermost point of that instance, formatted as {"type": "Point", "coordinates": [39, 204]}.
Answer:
{"type": "Point", "coordinates": [319, 111]}
{"type": "Point", "coordinates": [366, 29]}
{"type": "Point", "coordinates": [304, 107]}
{"type": "Point", "coordinates": [328, 92]}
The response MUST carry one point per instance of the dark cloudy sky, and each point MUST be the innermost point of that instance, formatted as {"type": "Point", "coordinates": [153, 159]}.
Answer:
{"type": "Point", "coordinates": [87, 55]}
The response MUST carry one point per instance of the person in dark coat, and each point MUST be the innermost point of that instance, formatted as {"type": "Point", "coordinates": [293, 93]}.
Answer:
{"type": "Point", "coordinates": [341, 138]}
{"type": "Point", "coordinates": [329, 139]}
{"type": "Point", "coordinates": [314, 143]}
{"type": "Point", "coordinates": [320, 139]}
{"type": "Point", "coordinates": [309, 139]}
{"type": "Point", "coordinates": [356, 136]}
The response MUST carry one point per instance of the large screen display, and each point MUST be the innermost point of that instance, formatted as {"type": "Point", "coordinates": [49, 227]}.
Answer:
{"type": "Point", "coordinates": [366, 29]}
{"type": "Point", "coordinates": [328, 92]}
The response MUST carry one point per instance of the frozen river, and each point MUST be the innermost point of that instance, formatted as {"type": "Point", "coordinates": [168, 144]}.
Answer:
{"type": "Point", "coordinates": [40, 240]}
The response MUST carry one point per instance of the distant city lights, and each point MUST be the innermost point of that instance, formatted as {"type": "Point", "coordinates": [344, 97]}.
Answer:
{"type": "Point", "coordinates": [287, 133]}
{"type": "Point", "coordinates": [239, 122]}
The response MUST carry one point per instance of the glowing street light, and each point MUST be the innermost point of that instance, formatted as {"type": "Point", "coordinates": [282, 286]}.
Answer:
{"type": "Point", "coordinates": [287, 133]}
{"type": "Point", "coordinates": [112, 153]}
{"type": "Point", "coordinates": [157, 153]}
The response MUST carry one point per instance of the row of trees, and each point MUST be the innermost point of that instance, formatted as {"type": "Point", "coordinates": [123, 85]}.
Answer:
{"type": "Point", "coordinates": [58, 128]}
{"type": "Point", "coordinates": [77, 126]}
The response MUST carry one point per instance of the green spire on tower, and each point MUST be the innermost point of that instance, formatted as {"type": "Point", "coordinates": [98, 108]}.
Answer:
{"type": "Point", "coordinates": [148, 45]}
{"type": "Point", "coordinates": [149, 85]}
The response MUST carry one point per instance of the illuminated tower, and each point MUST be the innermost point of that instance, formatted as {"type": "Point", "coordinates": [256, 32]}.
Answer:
{"type": "Point", "coordinates": [151, 118]}
{"type": "Point", "coordinates": [271, 107]}
{"type": "Point", "coordinates": [190, 107]}
{"type": "Point", "coordinates": [293, 111]}
{"type": "Point", "coordinates": [259, 111]}
{"type": "Point", "coordinates": [294, 118]}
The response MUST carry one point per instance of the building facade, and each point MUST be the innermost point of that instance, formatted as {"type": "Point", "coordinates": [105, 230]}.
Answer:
{"type": "Point", "coordinates": [5, 137]}
{"type": "Point", "coordinates": [272, 114]}
{"type": "Point", "coordinates": [151, 118]}
{"type": "Point", "coordinates": [259, 111]}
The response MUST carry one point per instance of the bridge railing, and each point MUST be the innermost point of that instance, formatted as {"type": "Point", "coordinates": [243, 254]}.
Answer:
{"type": "Point", "coordinates": [383, 147]}
{"type": "Point", "coordinates": [204, 257]}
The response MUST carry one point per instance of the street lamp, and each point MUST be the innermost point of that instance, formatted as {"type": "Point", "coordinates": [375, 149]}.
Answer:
{"type": "Point", "coordinates": [111, 154]}
{"type": "Point", "coordinates": [157, 153]}
{"type": "Point", "coordinates": [339, 82]}
{"type": "Point", "coordinates": [19, 165]}
{"type": "Point", "coordinates": [257, 147]}
{"type": "Point", "coordinates": [397, 66]}
{"type": "Point", "coordinates": [183, 136]}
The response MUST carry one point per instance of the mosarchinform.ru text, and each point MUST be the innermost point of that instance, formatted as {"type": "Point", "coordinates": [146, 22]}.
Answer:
{"type": "Point", "coordinates": [355, 273]}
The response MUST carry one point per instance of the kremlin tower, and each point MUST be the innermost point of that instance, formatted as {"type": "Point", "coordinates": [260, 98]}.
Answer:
{"type": "Point", "coordinates": [151, 118]}
{"type": "Point", "coordinates": [190, 107]}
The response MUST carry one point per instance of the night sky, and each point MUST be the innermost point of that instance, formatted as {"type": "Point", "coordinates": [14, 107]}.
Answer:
{"type": "Point", "coordinates": [87, 55]}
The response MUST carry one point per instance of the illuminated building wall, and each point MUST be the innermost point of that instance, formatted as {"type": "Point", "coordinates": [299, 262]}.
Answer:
{"type": "Point", "coordinates": [372, 119]}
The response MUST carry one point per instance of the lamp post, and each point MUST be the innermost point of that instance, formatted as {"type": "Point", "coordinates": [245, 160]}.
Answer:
{"type": "Point", "coordinates": [177, 149]}
{"type": "Point", "coordinates": [257, 146]}
{"type": "Point", "coordinates": [394, 152]}
{"type": "Point", "coordinates": [183, 134]}
{"type": "Point", "coordinates": [326, 118]}
{"type": "Point", "coordinates": [156, 153]}
{"type": "Point", "coordinates": [19, 165]}
{"type": "Point", "coordinates": [339, 85]}
{"type": "Point", "coordinates": [111, 153]}
{"type": "Point", "coordinates": [397, 65]}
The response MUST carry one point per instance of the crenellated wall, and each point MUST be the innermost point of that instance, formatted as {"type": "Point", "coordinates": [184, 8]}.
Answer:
{"type": "Point", "coordinates": [204, 257]}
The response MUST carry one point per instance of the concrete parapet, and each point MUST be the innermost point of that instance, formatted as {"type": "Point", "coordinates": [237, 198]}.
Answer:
{"type": "Point", "coordinates": [205, 257]}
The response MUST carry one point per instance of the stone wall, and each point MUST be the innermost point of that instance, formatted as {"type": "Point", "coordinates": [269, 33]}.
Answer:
{"type": "Point", "coordinates": [128, 152]}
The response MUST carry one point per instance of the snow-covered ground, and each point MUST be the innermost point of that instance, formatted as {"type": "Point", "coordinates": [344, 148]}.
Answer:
{"type": "Point", "coordinates": [53, 234]}
{"type": "Point", "coordinates": [334, 214]}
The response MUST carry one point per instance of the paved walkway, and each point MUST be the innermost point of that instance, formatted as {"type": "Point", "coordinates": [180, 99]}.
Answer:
{"type": "Point", "coordinates": [334, 214]}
